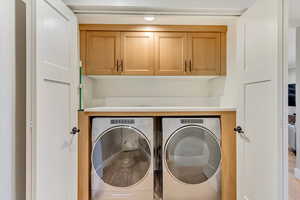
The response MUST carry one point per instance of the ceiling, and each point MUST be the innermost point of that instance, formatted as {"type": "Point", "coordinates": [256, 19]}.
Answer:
{"type": "Point", "coordinates": [189, 7]}
{"type": "Point", "coordinates": [228, 6]}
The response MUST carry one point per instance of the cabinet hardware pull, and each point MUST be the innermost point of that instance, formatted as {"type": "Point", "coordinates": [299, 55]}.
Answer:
{"type": "Point", "coordinates": [185, 66]}
{"type": "Point", "coordinates": [117, 65]}
{"type": "Point", "coordinates": [122, 67]}
{"type": "Point", "coordinates": [191, 65]}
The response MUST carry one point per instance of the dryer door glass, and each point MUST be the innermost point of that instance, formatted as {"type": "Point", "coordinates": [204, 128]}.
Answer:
{"type": "Point", "coordinates": [121, 156]}
{"type": "Point", "coordinates": [193, 154]}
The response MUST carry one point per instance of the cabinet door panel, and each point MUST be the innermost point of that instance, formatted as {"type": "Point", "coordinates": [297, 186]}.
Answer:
{"type": "Point", "coordinates": [205, 53]}
{"type": "Point", "coordinates": [103, 52]}
{"type": "Point", "coordinates": [137, 53]}
{"type": "Point", "coordinates": [170, 53]}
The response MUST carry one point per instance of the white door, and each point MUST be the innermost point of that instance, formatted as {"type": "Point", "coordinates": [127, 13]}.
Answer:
{"type": "Point", "coordinates": [53, 150]}
{"type": "Point", "coordinates": [260, 108]}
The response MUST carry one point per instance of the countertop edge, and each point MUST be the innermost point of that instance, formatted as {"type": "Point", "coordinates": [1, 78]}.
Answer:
{"type": "Point", "coordinates": [159, 109]}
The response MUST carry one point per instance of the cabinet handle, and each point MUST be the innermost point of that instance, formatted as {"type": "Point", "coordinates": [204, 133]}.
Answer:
{"type": "Point", "coordinates": [185, 66]}
{"type": "Point", "coordinates": [191, 65]}
{"type": "Point", "coordinates": [117, 65]}
{"type": "Point", "coordinates": [122, 67]}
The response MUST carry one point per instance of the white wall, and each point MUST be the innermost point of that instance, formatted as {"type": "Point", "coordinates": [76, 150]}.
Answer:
{"type": "Point", "coordinates": [162, 19]}
{"type": "Point", "coordinates": [292, 75]}
{"type": "Point", "coordinates": [12, 100]}
{"type": "Point", "coordinates": [294, 14]}
{"type": "Point", "coordinates": [292, 47]}
{"type": "Point", "coordinates": [7, 10]}
{"type": "Point", "coordinates": [150, 91]}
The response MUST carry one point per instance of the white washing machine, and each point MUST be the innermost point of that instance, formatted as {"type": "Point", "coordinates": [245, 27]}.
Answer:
{"type": "Point", "coordinates": [122, 161]}
{"type": "Point", "coordinates": [191, 159]}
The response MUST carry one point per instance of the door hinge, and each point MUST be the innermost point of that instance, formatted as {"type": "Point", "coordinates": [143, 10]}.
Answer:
{"type": "Point", "coordinates": [246, 198]}
{"type": "Point", "coordinates": [29, 124]}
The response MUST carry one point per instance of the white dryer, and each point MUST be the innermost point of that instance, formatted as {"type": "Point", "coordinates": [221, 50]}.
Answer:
{"type": "Point", "coordinates": [122, 161]}
{"type": "Point", "coordinates": [191, 159]}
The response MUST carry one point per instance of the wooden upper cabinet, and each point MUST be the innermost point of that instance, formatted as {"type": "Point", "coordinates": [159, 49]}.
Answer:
{"type": "Point", "coordinates": [170, 53]}
{"type": "Point", "coordinates": [102, 53]}
{"type": "Point", "coordinates": [204, 53]}
{"type": "Point", "coordinates": [137, 52]}
{"type": "Point", "coordinates": [153, 50]}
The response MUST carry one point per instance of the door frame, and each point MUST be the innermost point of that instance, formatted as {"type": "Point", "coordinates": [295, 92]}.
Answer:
{"type": "Point", "coordinates": [30, 86]}
{"type": "Point", "coordinates": [284, 187]}
{"type": "Point", "coordinates": [30, 100]}
{"type": "Point", "coordinates": [7, 140]}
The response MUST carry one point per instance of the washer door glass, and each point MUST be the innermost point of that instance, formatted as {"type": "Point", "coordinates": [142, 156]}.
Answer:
{"type": "Point", "coordinates": [121, 156]}
{"type": "Point", "coordinates": [193, 154]}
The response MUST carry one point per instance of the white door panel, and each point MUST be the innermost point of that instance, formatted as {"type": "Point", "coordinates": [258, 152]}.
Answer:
{"type": "Point", "coordinates": [260, 111]}
{"type": "Point", "coordinates": [259, 172]}
{"type": "Point", "coordinates": [55, 175]}
{"type": "Point", "coordinates": [260, 40]}
{"type": "Point", "coordinates": [54, 159]}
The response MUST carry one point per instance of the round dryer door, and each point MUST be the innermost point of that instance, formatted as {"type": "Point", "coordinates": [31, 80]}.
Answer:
{"type": "Point", "coordinates": [121, 156]}
{"type": "Point", "coordinates": [193, 154]}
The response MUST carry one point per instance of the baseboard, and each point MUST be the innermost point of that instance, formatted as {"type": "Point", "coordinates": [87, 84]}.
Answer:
{"type": "Point", "coordinates": [297, 173]}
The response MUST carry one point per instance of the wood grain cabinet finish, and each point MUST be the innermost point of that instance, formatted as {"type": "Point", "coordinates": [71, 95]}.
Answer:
{"type": "Point", "coordinates": [170, 53]}
{"type": "Point", "coordinates": [204, 53]}
{"type": "Point", "coordinates": [102, 53]}
{"type": "Point", "coordinates": [157, 50]}
{"type": "Point", "coordinates": [137, 52]}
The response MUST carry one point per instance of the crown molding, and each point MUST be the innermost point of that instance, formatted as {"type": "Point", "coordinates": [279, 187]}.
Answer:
{"type": "Point", "coordinates": [130, 10]}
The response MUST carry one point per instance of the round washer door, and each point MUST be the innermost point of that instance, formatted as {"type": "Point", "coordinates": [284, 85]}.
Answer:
{"type": "Point", "coordinates": [121, 156]}
{"type": "Point", "coordinates": [192, 154]}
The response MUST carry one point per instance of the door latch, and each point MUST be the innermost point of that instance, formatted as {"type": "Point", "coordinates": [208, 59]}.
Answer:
{"type": "Point", "coordinates": [241, 132]}
{"type": "Point", "coordinates": [74, 131]}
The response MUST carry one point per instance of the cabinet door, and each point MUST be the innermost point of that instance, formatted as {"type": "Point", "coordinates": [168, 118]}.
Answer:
{"type": "Point", "coordinates": [137, 53]}
{"type": "Point", "coordinates": [102, 53]}
{"type": "Point", "coordinates": [204, 53]}
{"type": "Point", "coordinates": [170, 53]}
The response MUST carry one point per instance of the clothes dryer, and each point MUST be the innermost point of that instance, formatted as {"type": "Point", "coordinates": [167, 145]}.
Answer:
{"type": "Point", "coordinates": [191, 159]}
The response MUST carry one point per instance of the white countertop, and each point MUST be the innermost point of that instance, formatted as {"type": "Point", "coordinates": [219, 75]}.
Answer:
{"type": "Point", "coordinates": [157, 109]}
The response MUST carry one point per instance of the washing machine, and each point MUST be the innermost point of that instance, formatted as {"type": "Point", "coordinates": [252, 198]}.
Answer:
{"type": "Point", "coordinates": [191, 159]}
{"type": "Point", "coordinates": [122, 161]}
